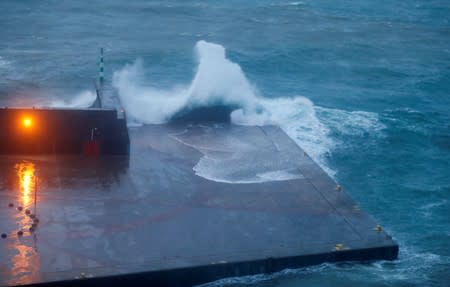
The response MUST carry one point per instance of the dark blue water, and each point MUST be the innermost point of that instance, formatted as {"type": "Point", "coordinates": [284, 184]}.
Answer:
{"type": "Point", "coordinates": [364, 86]}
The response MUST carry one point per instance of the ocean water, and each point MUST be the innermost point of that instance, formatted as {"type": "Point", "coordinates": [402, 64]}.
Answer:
{"type": "Point", "coordinates": [363, 86]}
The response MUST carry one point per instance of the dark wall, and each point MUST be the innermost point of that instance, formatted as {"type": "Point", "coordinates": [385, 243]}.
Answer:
{"type": "Point", "coordinates": [61, 131]}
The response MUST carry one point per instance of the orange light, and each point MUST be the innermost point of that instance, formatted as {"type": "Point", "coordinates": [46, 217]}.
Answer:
{"type": "Point", "coordinates": [27, 122]}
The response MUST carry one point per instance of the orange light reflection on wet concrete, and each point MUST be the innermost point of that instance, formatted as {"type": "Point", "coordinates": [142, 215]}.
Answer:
{"type": "Point", "coordinates": [25, 264]}
{"type": "Point", "coordinates": [26, 174]}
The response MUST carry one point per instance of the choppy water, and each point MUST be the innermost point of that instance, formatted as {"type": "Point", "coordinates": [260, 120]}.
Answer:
{"type": "Point", "coordinates": [363, 86]}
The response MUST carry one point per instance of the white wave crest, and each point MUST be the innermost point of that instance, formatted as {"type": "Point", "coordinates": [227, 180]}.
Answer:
{"type": "Point", "coordinates": [4, 63]}
{"type": "Point", "coordinates": [217, 81]}
{"type": "Point", "coordinates": [353, 123]}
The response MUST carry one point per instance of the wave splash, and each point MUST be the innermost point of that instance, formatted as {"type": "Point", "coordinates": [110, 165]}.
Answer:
{"type": "Point", "coordinates": [219, 81]}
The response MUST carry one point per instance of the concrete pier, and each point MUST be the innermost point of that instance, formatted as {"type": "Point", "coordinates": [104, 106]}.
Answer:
{"type": "Point", "coordinates": [191, 204]}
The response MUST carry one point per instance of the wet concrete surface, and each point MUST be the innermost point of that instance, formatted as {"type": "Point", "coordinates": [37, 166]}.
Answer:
{"type": "Point", "coordinates": [191, 204]}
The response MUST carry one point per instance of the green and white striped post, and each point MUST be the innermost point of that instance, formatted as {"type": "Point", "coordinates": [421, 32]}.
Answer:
{"type": "Point", "coordinates": [101, 73]}
{"type": "Point", "coordinates": [99, 84]}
